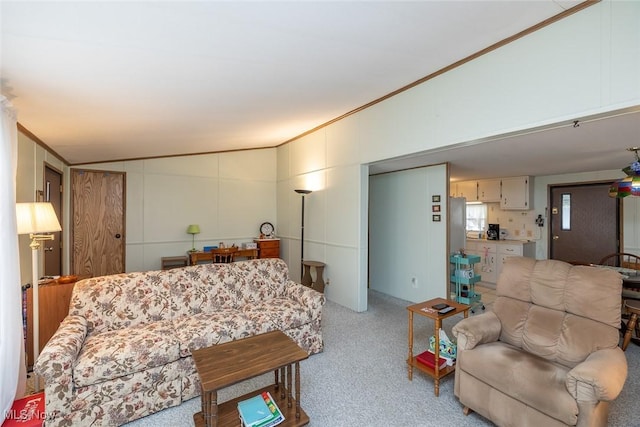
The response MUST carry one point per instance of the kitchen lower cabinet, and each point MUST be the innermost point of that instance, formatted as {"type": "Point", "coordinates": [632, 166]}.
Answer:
{"type": "Point", "coordinates": [493, 254]}
{"type": "Point", "coordinates": [487, 252]}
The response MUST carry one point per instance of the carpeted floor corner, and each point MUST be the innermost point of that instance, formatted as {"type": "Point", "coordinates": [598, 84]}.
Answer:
{"type": "Point", "coordinates": [361, 377]}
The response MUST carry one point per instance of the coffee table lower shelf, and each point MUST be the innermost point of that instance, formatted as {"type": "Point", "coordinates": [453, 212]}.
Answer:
{"type": "Point", "coordinates": [228, 415]}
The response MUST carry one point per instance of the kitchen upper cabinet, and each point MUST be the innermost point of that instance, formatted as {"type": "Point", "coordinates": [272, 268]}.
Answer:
{"type": "Point", "coordinates": [517, 193]}
{"type": "Point", "coordinates": [489, 190]}
{"type": "Point", "coordinates": [468, 190]}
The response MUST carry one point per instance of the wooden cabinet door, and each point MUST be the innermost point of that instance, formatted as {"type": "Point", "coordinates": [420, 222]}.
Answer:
{"type": "Point", "coordinates": [489, 190]}
{"type": "Point", "coordinates": [516, 194]}
{"type": "Point", "coordinates": [468, 190]}
{"type": "Point", "coordinates": [98, 223]}
{"type": "Point", "coordinates": [488, 262]}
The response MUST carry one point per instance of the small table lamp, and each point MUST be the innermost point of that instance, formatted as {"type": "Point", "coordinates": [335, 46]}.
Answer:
{"type": "Point", "coordinates": [37, 220]}
{"type": "Point", "coordinates": [193, 229]}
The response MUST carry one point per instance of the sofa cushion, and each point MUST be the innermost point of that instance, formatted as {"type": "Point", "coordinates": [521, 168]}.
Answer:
{"type": "Point", "coordinates": [204, 330]}
{"type": "Point", "coordinates": [525, 377]}
{"type": "Point", "coordinates": [121, 300]}
{"type": "Point", "coordinates": [122, 352]}
{"type": "Point", "coordinates": [204, 288]}
{"type": "Point", "coordinates": [282, 313]}
{"type": "Point", "coordinates": [262, 279]}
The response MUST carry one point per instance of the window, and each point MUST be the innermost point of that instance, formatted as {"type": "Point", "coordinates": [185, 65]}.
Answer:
{"type": "Point", "coordinates": [476, 217]}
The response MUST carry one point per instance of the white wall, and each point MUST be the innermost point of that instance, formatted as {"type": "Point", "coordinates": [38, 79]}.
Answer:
{"type": "Point", "coordinates": [228, 194]}
{"type": "Point", "coordinates": [326, 162]}
{"type": "Point", "coordinates": [587, 63]}
{"type": "Point", "coordinates": [406, 256]}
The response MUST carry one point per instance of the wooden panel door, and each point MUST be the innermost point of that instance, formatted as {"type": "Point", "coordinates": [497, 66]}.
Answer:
{"type": "Point", "coordinates": [53, 248]}
{"type": "Point", "coordinates": [98, 235]}
{"type": "Point", "coordinates": [584, 223]}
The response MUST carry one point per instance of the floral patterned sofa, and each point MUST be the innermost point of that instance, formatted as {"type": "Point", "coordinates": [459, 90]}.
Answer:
{"type": "Point", "coordinates": [124, 350]}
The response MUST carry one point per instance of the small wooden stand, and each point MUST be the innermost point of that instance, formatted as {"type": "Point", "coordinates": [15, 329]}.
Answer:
{"type": "Point", "coordinates": [425, 309]}
{"type": "Point", "coordinates": [318, 285]}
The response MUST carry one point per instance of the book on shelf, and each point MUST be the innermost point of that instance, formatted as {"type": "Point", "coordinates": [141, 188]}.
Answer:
{"type": "Point", "coordinates": [260, 411]}
{"type": "Point", "coordinates": [450, 360]}
{"type": "Point", "coordinates": [429, 359]}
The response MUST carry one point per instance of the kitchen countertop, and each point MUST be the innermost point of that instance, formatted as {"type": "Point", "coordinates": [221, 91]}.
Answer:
{"type": "Point", "coordinates": [505, 241]}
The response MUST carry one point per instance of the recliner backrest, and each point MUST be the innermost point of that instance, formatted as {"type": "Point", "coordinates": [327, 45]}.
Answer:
{"type": "Point", "coordinates": [556, 310]}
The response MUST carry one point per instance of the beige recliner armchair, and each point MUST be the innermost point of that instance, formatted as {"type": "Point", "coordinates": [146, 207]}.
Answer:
{"type": "Point", "coordinates": [547, 353]}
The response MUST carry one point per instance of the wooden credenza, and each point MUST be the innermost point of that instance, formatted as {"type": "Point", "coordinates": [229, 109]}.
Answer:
{"type": "Point", "coordinates": [54, 299]}
{"type": "Point", "coordinates": [269, 248]}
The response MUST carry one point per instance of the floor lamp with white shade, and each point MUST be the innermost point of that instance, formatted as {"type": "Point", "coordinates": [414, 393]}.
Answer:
{"type": "Point", "coordinates": [37, 220]}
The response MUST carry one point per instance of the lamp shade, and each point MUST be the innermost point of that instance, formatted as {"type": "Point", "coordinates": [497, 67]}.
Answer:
{"type": "Point", "coordinates": [627, 186]}
{"type": "Point", "coordinates": [38, 217]}
{"type": "Point", "coordinates": [193, 229]}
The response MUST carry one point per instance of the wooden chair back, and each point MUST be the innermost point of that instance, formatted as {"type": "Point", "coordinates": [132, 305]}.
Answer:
{"type": "Point", "coordinates": [223, 255]}
{"type": "Point", "coordinates": [622, 259]}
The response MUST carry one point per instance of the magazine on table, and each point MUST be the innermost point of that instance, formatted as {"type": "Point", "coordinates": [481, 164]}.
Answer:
{"type": "Point", "coordinates": [260, 411]}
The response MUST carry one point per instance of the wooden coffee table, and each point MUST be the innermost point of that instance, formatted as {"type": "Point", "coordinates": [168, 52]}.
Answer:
{"type": "Point", "coordinates": [223, 365]}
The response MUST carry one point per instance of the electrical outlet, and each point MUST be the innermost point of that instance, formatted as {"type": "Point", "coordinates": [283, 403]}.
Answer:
{"type": "Point", "coordinates": [517, 232]}
{"type": "Point", "coordinates": [326, 282]}
{"type": "Point", "coordinates": [414, 282]}
{"type": "Point", "coordinates": [529, 233]}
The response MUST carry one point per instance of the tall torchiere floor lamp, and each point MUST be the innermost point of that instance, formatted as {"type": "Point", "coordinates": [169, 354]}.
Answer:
{"type": "Point", "coordinates": [37, 220]}
{"type": "Point", "coordinates": [303, 192]}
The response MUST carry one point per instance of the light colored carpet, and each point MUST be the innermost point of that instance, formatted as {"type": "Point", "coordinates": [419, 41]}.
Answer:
{"type": "Point", "coordinates": [361, 377]}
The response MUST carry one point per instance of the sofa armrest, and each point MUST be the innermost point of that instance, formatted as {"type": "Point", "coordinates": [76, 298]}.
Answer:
{"type": "Point", "coordinates": [480, 329]}
{"type": "Point", "coordinates": [56, 360]}
{"type": "Point", "coordinates": [306, 296]}
{"type": "Point", "coordinates": [600, 377]}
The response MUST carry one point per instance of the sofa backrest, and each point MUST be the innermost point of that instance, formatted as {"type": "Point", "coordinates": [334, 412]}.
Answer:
{"type": "Point", "coordinates": [556, 310]}
{"type": "Point", "coordinates": [122, 300]}
{"type": "Point", "coordinates": [209, 287]}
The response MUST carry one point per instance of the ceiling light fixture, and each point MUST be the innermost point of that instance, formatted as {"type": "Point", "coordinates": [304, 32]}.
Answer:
{"type": "Point", "coordinates": [630, 184]}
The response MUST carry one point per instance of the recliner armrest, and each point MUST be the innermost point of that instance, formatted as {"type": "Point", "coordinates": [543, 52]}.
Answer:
{"type": "Point", "coordinates": [475, 330]}
{"type": "Point", "coordinates": [600, 377]}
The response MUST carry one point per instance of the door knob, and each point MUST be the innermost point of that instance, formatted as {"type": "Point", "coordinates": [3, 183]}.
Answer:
{"type": "Point", "coordinates": [118, 236]}
{"type": "Point", "coordinates": [556, 237]}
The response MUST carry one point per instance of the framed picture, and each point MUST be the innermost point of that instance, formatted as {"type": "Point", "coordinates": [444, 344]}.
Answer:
{"type": "Point", "coordinates": [436, 198]}
{"type": "Point", "coordinates": [436, 218]}
{"type": "Point", "coordinates": [435, 208]}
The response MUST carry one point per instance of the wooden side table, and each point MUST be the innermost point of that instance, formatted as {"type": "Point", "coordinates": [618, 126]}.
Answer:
{"type": "Point", "coordinates": [425, 309]}
{"type": "Point", "coordinates": [222, 365]}
{"type": "Point", "coordinates": [54, 298]}
{"type": "Point", "coordinates": [169, 262]}
{"type": "Point", "coordinates": [318, 285]}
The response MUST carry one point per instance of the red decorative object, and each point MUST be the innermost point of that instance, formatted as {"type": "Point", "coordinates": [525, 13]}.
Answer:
{"type": "Point", "coordinates": [26, 412]}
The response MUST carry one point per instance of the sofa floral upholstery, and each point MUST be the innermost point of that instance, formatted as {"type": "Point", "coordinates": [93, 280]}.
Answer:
{"type": "Point", "coordinates": [124, 350]}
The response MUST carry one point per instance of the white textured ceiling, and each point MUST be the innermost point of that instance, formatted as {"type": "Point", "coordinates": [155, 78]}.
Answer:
{"type": "Point", "coordinates": [101, 81]}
